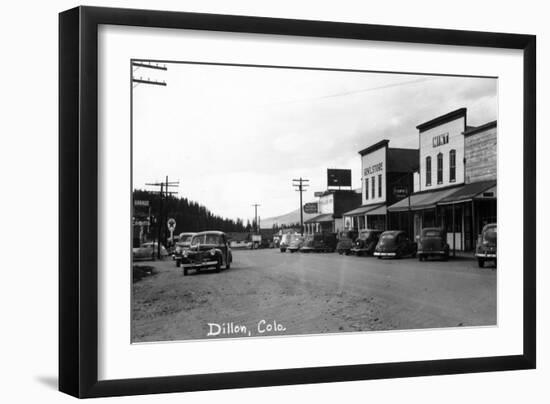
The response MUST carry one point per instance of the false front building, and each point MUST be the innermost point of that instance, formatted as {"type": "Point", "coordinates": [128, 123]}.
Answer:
{"type": "Point", "coordinates": [456, 185]}
{"type": "Point", "coordinates": [387, 177]}
{"type": "Point", "coordinates": [332, 204]}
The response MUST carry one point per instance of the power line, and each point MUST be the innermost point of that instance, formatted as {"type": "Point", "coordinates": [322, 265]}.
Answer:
{"type": "Point", "coordinates": [351, 92]}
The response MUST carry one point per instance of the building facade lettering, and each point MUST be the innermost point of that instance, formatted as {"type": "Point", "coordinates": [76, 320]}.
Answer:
{"type": "Point", "coordinates": [442, 155]}
{"type": "Point", "coordinates": [374, 176]}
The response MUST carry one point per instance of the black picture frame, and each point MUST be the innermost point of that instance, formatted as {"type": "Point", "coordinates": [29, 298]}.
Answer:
{"type": "Point", "coordinates": [78, 200]}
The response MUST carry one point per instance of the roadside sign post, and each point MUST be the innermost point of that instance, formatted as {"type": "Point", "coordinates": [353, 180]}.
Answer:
{"type": "Point", "coordinates": [171, 227]}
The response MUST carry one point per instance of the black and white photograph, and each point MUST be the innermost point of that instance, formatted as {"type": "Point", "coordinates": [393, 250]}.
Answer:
{"type": "Point", "coordinates": [275, 201]}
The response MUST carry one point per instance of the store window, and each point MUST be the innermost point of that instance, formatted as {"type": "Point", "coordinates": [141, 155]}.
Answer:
{"type": "Point", "coordinates": [366, 188]}
{"type": "Point", "coordinates": [373, 187]}
{"type": "Point", "coordinates": [380, 185]}
{"type": "Point", "coordinates": [428, 171]}
{"type": "Point", "coordinates": [452, 165]}
{"type": "Point", "coordinates": [440, 168]}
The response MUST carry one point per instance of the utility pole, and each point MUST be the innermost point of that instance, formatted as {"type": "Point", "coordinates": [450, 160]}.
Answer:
{"type": "Point", "coordinates": [300, 185]}
{"type": "Point", "coordinates": [146, 65]}
{"type": "Point", "coordinates": [256, 227]}
{"type": "Point", "coordinates": [163, 192]}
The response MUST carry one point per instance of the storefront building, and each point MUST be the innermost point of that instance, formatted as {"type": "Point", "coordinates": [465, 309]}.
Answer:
{"type": "Point", "coordinates": [386, 177]}
{"type": "Point", "coordinates": [456, 183]}
{"type": "Point", "coordinates": [331, 206]}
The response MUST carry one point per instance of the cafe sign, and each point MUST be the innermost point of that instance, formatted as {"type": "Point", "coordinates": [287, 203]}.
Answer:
{"type": "Point", "coordinates": [311, 207]}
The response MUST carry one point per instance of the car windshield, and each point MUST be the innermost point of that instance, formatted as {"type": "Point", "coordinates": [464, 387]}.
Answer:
{"type": "Point", "coordinates": [432, 233]}
{"type": "Point", "coordinates": [387, 238]}
{"type": "Point", "coordinates": [185, 239]}
{"type": "Point", "coordinates": [365, 235]}
{"type": "Point", "coordinates": [206, 239]}
{"type": "Point", "coordinates": [345, 234]}
{"type": "Point", "coordinates": [490, 234]}
{"type": "Point", "coordinates": [295, 237]}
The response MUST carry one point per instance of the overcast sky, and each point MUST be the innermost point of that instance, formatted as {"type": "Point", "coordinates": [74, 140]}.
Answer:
{"type": "Point", "coordinates": [234, 136]}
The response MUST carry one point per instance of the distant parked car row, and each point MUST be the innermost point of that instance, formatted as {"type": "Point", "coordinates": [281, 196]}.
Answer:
{"type": "Point", "coordinates": [431, 243]}
{"type": "Point", "coordinates": [367, 242]}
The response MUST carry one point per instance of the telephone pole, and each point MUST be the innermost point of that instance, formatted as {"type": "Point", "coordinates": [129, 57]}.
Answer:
{"type": "Point", "coordinates": [300, 185]}
{"type": "Point", "coordinates": [136, 65]}
{"type": "Point", "coordinates": [256, 227]}
{"type": "Point", "coordinates": [163, 192]}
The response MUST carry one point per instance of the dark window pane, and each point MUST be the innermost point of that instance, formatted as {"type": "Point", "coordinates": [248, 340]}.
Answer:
{"type": "Point", "coordinates": [428, 171]}
{"type": "Point", "coordinates": [439, 168]}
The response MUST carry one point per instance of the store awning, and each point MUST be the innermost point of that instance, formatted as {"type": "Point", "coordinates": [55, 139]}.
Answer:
{"type": "Point", "coordinates": [362, 210]}
{"type": "Point", "coordinates": [328, 217]}
{"type": "Point", "coordinates": [469, 192]}
{"type": "Point", "coordinates": [421, 200]}
{"type": "Point", "coordinates": [381, 210]}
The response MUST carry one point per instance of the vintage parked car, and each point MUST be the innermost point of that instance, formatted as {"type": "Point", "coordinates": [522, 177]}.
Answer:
{"type": "Point", "coordinates": [285, 241]}
{"type": "Point", "coordinates": [346, 239]}
{"type": "Point", "coordinates": [183, 243]}
{"type": "Point", "coordinates": [148, 251]}
{"type": "Point", "coordinates": [319, 242]}
{"type": "Point", "coordinates": [366, 241]}
{"type": "Point", "coordinates": [209, 249]}
{"type": "Point", "coordinates": [486, 248]}
{"type": "Point", "coordinates": [395, 244]}
{"type": "Point", "coordinates": [432, 242]}
{"type": "Point", "coordinates": [296, 243]}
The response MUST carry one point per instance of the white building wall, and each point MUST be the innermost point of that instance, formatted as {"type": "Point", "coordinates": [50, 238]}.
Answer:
{"type": "Point", "coordinates": [416, 182]}
{"type": "Point", "coordinates": [373, 165]}
{"type": "Point", "coordinates": [326, 204]}
{"type": "Point", "coordinates": [429, 146]}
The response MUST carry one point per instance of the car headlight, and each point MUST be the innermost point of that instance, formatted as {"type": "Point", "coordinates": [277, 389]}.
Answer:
{"type": "Point", "coordinates": [184, 253]}
{"type": "Point", "coordinates": [212, 252]}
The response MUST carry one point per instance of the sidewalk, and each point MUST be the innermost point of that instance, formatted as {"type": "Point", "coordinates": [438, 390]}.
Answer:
{"type": "Point", "coordinates": [465, 255]}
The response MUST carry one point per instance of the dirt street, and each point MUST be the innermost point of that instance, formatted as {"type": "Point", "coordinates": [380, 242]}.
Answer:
{"type": "Point", "coordinates": [270, 293]}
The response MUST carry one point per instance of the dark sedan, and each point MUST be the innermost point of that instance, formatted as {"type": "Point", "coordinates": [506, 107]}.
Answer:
{"type": "Point", "coordinates": [296, 242]}
{"type": "Point", "coordinates": [432, 242]}
{"type": "Point", "coordinates": [366, 242]}
{"type": "Point", "coordinates": [209, 249]}
{"type": "Point", "coordinates": [183, 243]}
{"type": "Point", "coordinates": [486, 249]}
{"type": "Point", "coordinates": [395, 244]}
{"type": "Point", "coordinates": [345, 241]}
{"type": "Point", "coordinates": [319, 242]}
